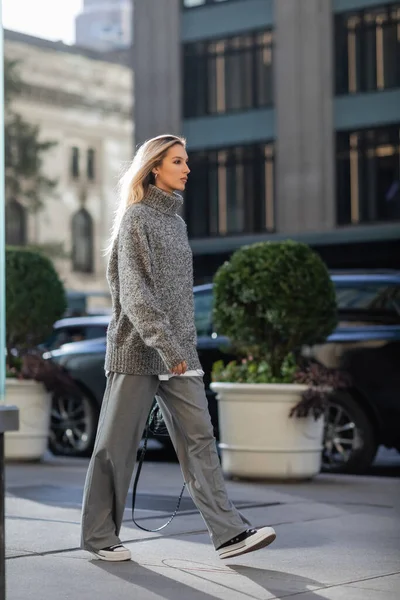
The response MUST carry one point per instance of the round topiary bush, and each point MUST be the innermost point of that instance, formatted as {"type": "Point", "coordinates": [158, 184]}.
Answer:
{"type": "Point", "coordinates": [272, 298]}
{"type": "Point", "coordinates": [35, 298]}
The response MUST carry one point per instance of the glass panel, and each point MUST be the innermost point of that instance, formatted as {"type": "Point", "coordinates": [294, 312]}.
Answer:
{"type": "Point", "coordinates": [75, 162]}
{"type": "Point", "coordinates": [269, 187]}
{"type": "Point", "coordinates": [212, 85]}
{"type": "Point", "coordinates": [95, 331]}
{"type": "Point", "coordinates": [227, 74]}
{"type": "Point", "coordinates": [195, 80]}
{"type": "Point", "coordinates": [15, 216]}
{"type": "Point", "coordinates": [82, 242]}
{"type": "Point", "coordinates": [203, 312]}
{"type": "Point", "coordinates": [368, 50]}
{"type": "Point", "coordinates": [231, 191]}
{"type": "Point", "coordinates": [391, 55]}
{"type": "Point", "coordinates": [195, 197]}
{"type": "Point", "coordinates": [369, 297]}
{"type": "Point", "coordinates": [387, 184]}
{"type": "Point", "coordinates": [65, 335]}
{"type": "Point", "coordinates": [91, 164]}
{"type": "Point", "coordinates": [213, 199]}
{"type": "Point", "coordinates": [341, 55]}
{"type": "Point", "coordinates": [247, 77]}
{"type": "Point", "coordinates": [233, 81]}
{"type": "Point", "coordinates": [368, 176]}
{"type": "Point", "coordinates": [264, 76]}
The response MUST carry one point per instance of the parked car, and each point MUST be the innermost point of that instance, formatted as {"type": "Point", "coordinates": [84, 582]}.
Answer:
{"type": "Point", "coordinates": [366, 344]}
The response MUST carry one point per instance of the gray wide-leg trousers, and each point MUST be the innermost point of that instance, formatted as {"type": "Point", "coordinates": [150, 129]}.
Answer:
{"type": "Point", "coordinates": [126, 405]}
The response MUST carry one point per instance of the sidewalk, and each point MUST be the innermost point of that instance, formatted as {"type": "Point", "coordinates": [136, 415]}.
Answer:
{"type": "Point", "coordinates": [338, 538]}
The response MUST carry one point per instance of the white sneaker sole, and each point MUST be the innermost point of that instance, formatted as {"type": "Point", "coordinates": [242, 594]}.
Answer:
{"type": "Point", "coordinates": [121, 556]}
{"type": "Point", "coordinates": [263, 538]}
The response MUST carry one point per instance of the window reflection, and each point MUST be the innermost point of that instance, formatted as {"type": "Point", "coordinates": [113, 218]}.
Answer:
{"type": "Point", "coordinates": [368, 175]}
{"type": "Point", "coordinates": [368, 50]}
{"type": "Point", "coordinates": [231, 191]}
{"type": "Point", "coordinates": [228, 74]}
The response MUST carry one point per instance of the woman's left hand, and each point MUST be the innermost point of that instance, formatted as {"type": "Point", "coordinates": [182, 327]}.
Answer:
{"type": "Point", "coordinates": [180, 369]}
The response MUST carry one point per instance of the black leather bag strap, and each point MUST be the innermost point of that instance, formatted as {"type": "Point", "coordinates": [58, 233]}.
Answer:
{"type": "Point", "coordinates": [154, 423]}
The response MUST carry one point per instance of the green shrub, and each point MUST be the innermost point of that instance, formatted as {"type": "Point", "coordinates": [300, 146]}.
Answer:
{"type": "Point", "coordinates": [250, 370]}
{"type": "Point", "coordinates": [272, 298]}
{"type": "Point", "coordinates": [35, 298]}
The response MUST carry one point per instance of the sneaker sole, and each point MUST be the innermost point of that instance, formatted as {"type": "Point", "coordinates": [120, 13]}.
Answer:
{"type": "Point", "coordinates": [259, 541]}
{"type": "Point", "coordinates": [115, 558]}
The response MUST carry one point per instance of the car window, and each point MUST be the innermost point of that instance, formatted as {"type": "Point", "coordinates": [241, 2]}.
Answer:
{"type": "Point", "coordinates": [96, 331]}
{"type": "Point", "coordinates": [369, 297]}
{"type": "Point", "coordinates": [203, 309]}
{"type": "Point", "coordinates": [66, 335]}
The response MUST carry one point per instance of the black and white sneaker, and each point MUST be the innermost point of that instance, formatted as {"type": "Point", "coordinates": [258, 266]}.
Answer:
{"type": "Point", "coordinates": [248, 541]}
{"type": "Point", "coordinates": [115, 553]}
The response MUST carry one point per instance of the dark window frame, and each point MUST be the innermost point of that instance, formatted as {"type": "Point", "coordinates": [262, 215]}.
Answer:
{"type": "Point", "coordinates": [363, 193]}
{"type": "Point", "coordinates": [199, 59]}
{"type": "Point", "coordinates": [231, 191]}
{"type": "Point", "coordinates": [91, 164]}
{"type": "Point", "coordinates": [75, 160]}
{"type": "Point", "coordinates": [364, 74]}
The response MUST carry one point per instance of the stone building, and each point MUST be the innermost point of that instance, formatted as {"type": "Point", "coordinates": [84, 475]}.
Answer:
{"type": "Point", "coordinates": [291, 111]}
{"type": "Point", "coordinates": [82, 100]}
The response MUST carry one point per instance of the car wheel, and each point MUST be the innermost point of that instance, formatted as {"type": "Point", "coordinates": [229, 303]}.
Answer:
{"type": "Point", "coordinates": [349, 437]}
{"type": "Point", "coordinates": [73, 425]}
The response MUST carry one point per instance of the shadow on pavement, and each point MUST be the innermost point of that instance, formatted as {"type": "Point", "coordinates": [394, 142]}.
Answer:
{"type": "Point", "coordinates": [280, 583]}
{"type": "Point", "coordinates": [277, 583]}
{"type": "Point", "coordinates": [155, 583]}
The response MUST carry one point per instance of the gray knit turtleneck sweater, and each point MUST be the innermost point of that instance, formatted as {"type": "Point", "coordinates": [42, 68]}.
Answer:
{"type": "Point", "coordinates": [150, 274]}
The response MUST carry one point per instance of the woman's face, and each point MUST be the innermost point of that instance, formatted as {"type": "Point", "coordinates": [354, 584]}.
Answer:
{"type": "Point", "coordinates": [173, 172]}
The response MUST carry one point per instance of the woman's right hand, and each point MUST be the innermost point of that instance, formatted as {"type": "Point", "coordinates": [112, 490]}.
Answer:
{"type": "Point", "coordinates": [180, 369]}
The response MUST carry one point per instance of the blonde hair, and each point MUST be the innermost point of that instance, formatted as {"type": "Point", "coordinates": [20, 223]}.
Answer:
{"type": "Point", "coordinates": [134, 184]}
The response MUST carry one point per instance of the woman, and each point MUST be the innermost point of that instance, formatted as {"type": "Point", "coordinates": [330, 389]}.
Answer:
{"type": "Point", "coordinates": [151, 350]}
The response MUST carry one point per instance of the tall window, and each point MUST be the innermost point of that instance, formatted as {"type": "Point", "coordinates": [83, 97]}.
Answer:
{"type": "Point", "coordinates": [231, 191]}
{"type": "Point", "coordinates": [75, 162]}
{"type": "Point", "coordinates": [368, 49]}
{"type": "Point", "coordinates": [15, 223]}
{"type": "Point", "coordinates": [368, 175]}
{"type": "Point", "coordinates": [82, 241]}
{"type": "Point", "coordinates": [228, 74]}
{"type": "Point", "coordinates": [91, 174]}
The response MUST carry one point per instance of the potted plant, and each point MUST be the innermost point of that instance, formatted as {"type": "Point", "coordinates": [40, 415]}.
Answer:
{"type": "Point", "coordinates": [271, 299]}
{"type": "Point", "coordinates": [35, 299]}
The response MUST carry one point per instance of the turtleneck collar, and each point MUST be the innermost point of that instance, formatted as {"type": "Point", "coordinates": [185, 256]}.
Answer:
{"type": "Point", "coordinates": [160, 200]}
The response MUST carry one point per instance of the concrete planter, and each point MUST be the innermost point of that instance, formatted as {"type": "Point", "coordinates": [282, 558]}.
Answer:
{"type": "Point", "coordinates": [34, 404]}
{"type": "Point", "coordinates": [257, 437]}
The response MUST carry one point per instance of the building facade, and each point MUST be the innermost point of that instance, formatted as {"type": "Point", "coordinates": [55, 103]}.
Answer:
{"type": "Point", "coordinates": [104, 25]}
{"type": "Point", "coordinates": [291, 111]}
{"type": "Point", "coordinates": [83, 103]}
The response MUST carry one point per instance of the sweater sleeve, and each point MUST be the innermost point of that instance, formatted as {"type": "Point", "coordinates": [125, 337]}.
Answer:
{"type": "Point", "coordinates": [137, 292]}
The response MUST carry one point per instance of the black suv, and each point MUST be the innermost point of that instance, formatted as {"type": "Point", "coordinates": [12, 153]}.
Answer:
{"type": "Point", "coordinates": [366, 344]}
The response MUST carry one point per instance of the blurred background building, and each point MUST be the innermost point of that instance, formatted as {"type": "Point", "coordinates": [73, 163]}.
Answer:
{"type": "Point", "coordinates": [104, 24]}
{"type": "Point", "coordinates": [81, 102]}
{"type": "Point", "coordinates": [291, 110]}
